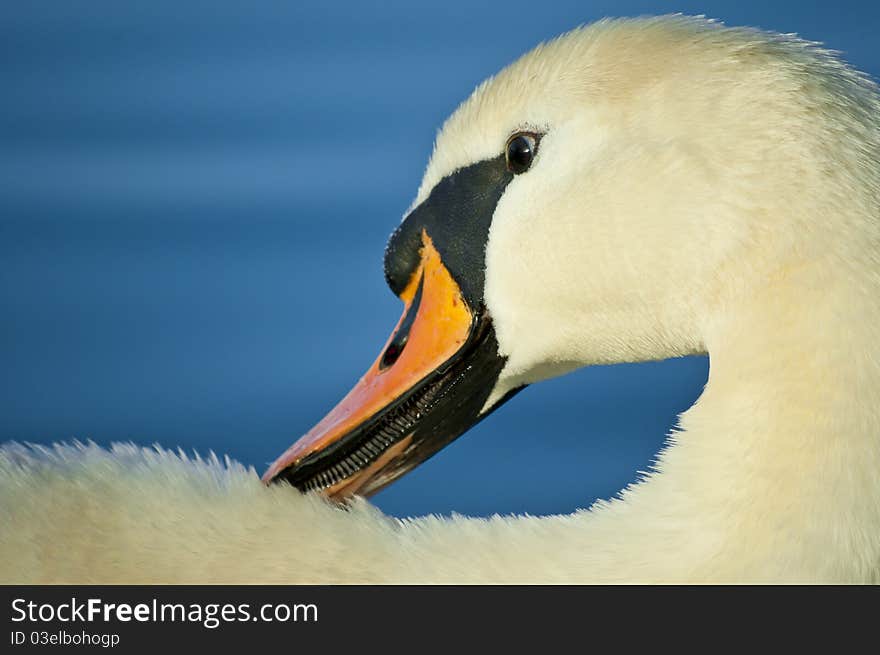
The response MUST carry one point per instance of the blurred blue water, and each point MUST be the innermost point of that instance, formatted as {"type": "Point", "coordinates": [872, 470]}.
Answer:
{"type": "Point", "coordinates": [195, 200]}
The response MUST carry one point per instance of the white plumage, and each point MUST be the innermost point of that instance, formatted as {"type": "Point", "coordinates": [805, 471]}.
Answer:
{"type": "Point", "coordinates": [699, 189]}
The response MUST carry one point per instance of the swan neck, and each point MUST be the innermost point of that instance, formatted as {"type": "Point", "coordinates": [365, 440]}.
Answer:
{"type": "Point", "coordinates": [780, 454]}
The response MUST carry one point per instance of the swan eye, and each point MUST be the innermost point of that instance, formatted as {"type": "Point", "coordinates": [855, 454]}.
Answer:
{"type": "Point", "coordinates": [521, 148]}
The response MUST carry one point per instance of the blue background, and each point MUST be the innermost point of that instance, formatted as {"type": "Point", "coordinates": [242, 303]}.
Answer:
{"type": "Point", "coordinates": [195, 199]}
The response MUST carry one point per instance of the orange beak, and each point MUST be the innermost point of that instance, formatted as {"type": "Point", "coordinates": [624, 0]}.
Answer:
{"type": "Point", "coordinates": [409, 404]}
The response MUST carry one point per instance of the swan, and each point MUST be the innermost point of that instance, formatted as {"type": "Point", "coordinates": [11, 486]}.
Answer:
{"type": "Point", "coordinates": [635, 189]}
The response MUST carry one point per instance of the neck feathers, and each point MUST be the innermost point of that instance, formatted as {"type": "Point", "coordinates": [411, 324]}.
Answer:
{"type": "Point", "coordinates": [780, 454]}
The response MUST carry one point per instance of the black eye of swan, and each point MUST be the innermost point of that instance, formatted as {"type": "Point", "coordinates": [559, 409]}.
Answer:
{"type": "Point", "coordinates": [521, 149]}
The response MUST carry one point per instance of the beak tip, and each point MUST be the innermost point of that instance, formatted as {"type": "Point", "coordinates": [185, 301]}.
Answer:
{"type": "Point", "coordinates": [272, 473]}
{"type": "Point", "coordinates": [268, 476]}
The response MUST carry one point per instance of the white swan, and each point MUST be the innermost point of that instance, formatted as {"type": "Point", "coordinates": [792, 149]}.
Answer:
{"type": "Point", "coordinates": [641, 189]}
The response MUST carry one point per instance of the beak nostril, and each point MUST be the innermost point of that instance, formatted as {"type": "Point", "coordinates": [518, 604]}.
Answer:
{"type": "Point", "coordinates": [393, 352]}
{"type": "Point", "coordinates": [398, 341]}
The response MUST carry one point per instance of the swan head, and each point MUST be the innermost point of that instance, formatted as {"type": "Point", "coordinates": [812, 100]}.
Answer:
{"type": "Point", "coordinates": [600, 200]}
